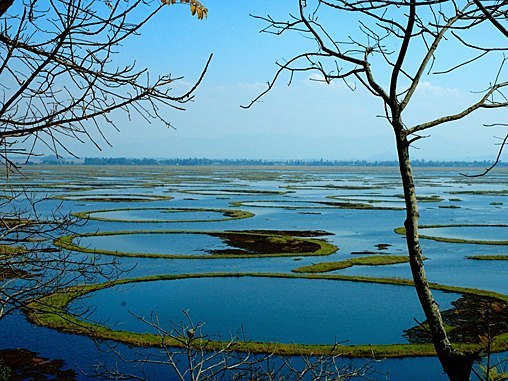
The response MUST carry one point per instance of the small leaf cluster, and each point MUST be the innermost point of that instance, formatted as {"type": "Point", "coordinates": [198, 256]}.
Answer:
{"type": "Point", "coordinates": [196, 7]}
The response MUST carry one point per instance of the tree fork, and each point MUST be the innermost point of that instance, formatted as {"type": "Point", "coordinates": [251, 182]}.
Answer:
{"type": "Point", "coordinates": [457, 365]}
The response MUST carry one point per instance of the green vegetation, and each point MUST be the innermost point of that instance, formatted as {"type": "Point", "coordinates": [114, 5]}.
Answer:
{"type": "Point", "coordinates": [402, 230]}
{"type": "Point", "coordinates": [110, 198]}
{"type": "Point", "coordinates": [228, 214]}
{"type": "Point", "coordinates": [333, 187]}
{"type": "Point", "coordinates": [489, 257]}
{"type": "Point", "coordinates": [472, 318]}
{"type": "Point", "coordinates": [289, 204]}
{"type": "Point", "coordinates": [9, 270]}
{"type": "Point", "coordinates": [482, 192]}
{"type": "Point", "coordinates": [50, 311]}
{"type": "Point", "coordinates": [245, 244]}
{"type": "Point", "coordinates": [377, 260]}
{"type": "Point", "coordinates": [277, 163]}
{"type": "Point", "coordinates": [9, 250]}
{"type": "Point", "coordinates": [219, 192]}
{"type": "Point", "coordinates": [433, 198]}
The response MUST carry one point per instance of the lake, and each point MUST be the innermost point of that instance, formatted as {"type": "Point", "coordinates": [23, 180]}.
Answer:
{"type": "Point", "coordinates": [358, 208]}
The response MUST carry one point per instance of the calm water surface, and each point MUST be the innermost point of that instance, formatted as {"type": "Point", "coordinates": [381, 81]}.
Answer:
{"type": "Point", "coordinates": [157, 243]}
{"type": "Point", "coordinates": [477, 233]}
{"type": "Point", "coordinates": [161, 214]}
{"type": "Point", "coordinates": [288, 310]}
{"type": "Point", "coordinates": [270, 309]}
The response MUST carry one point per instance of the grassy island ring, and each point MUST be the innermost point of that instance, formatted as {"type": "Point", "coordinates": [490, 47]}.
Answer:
{"type": "Point", "coordinates": [402, 230]}
{"type": "Point", "coordinates": [244, 244]}
{"type": "Point", "coordinates": [378, 260]}
{"type": "Point", "coordinates": [111, 198]}
{"type": "Point", "coordinates": [314, 204]}
{"type": "Point", "coordinates": [50, 311]}
{"type": "Point", "coordinates": [228, 214]}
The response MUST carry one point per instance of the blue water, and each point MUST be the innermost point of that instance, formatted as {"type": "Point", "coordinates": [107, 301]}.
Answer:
{"type": "Point", "coordinates": [158, 243]}
{"type": "Point", "coordinates": [345, 311]}
{"type": "Point", "coordinates": [157, 214]}
{"type": "Point", "coordinates": [270, 309]}
{"type": "Point", "coordinates": [472, 233]}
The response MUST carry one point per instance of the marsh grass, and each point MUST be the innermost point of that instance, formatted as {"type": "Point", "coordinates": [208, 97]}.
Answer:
{"type": "Point", "coordinates": [228, 214]}
{"type": "Point", "coordinates": [488, 257]}
{"type": "Point", "coordinates": [50, 311]}
{"type": "Point", "coordinates": [281, 245]}
{"type": "Point", "coordinates": [402, 230]}
{"type": "Point", "coordinates": [378, 260]}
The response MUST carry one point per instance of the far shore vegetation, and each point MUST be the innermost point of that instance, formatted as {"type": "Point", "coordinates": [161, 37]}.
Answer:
{"type": "Point", "coordinates": [53, 160]}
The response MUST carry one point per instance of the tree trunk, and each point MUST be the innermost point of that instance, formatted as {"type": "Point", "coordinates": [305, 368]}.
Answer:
{"type": "Point", "coordinates": [456, 365]}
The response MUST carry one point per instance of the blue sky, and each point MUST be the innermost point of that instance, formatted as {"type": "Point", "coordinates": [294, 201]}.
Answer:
{"type": "Point", "coordinates": [307, 120]}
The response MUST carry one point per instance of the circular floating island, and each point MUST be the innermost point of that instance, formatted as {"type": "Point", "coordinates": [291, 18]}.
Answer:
{"type": "Point", "coordinates": [164, 215]}
{"type": "Point", "coordinates": [484, 234]}
{"type": "Point", "coordinates": [114, 198]}
{"type": "Point", "coordinates": [199, 244]}
{"type": "Point", "coordinates": [388, 202]}
{"type": "Point", "coordinates": [262, 302]}
{"type": "Point", "coordinates": [305, 204]}
{"type": "Point", "coordinates": [230, 192]}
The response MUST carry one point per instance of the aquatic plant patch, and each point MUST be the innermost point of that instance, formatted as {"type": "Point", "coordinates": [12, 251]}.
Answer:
{"type": "Point", "coordinates": [235, 244]}
{"type": "Point", "coordinates": [485, 234]}
{"type": "Point", "coordinates": [11, 262]}
{"type": "Point", "coordinates": [499, 257]}
{"type": "Point", "coordinates": [51, 311]}
{"type": "Point", "coordinates": [378, 260]}
{"type": "Point", "coordinates": [164, 215]}
{"type": "Point", "coordinates": [334, 187]}
{"type": "Point", "coordinates": [472, 317]}
{"type": "Point", "coordinates": [22, 364]}
{"type": "Point", "coordinates": [232, 191]}
{"type": "Point", "coordinates": [503, 192]}
{"type": "Point", "coordinates": [304, 204]}
{"type": "Point", "coordinates": [114, 198]}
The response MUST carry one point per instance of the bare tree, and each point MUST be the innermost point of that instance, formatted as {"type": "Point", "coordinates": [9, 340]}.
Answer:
{"type": "Point", "coordinates": [30, 266]}
{"type": "Point", "coordinates": [389, 48]}
{"type": "Point", "coordinates": [191, 357]}
{"type": "Point", "coordinates": [60, 80]}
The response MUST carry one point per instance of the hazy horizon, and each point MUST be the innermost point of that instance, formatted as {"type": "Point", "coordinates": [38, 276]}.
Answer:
{"type": "Point", "coordinates": [307, 120]}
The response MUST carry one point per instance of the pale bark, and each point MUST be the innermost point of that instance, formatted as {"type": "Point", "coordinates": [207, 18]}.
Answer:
{"type": "Point", "coordinates": [456, 365]}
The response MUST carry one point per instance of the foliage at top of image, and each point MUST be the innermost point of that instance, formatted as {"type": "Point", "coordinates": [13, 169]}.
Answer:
{"type": "Point", "coordinates": [196, 7]}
